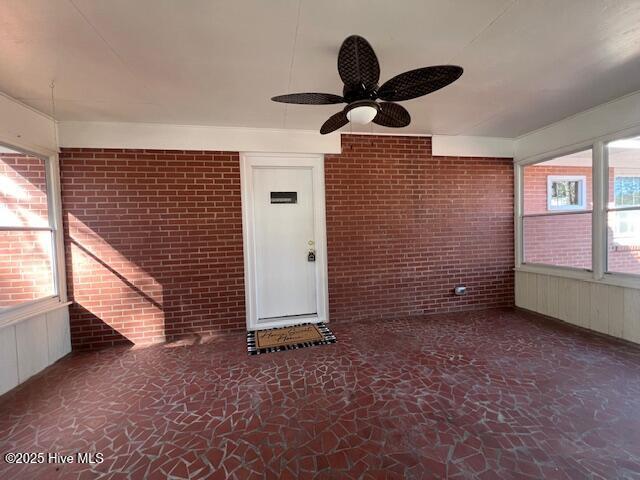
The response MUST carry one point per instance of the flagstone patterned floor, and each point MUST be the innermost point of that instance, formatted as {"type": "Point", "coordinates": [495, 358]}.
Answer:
{"type": "Point", "coordinates": [486, 395]}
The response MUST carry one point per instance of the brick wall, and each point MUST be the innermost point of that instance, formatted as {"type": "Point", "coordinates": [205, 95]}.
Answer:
{"type": "Point", "coordinates": [25, 267]}
{"type": "Point", "coordinates": [405, 227]}
{"type": "Point", "coordinates": [154, 238]}
{"type": "Point", "coordinates": [153, 244]}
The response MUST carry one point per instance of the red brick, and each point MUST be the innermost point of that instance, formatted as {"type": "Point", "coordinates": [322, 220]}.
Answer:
{"type": "Point", "coordinates": [404, 227]}
{"type": "Point", "coordinates": [164, 237]}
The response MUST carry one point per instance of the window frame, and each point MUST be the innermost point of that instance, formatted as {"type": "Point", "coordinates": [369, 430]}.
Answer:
{"type": "Point", "coordinates": [599, 187]}
{"type": "Point", "coordinates": [519, 214]}
{"type": "Point", "coordinates": [609, 206]}
{"type": "Point", "coordinates": [16, 313]}
{"type": "Point", "coordinates": [582, 192]}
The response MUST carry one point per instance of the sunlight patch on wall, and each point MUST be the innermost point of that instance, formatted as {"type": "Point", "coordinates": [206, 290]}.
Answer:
{"type": "Point", "coordinates": [114, 289]}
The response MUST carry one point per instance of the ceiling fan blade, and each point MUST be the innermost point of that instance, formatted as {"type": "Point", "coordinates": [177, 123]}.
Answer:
{"type": "Point", "coordinates": [357, 63]}
{"type": "Point", "coordinates": [416, 83]}
{"type": "Point", "coordinates": [309, 98]}
{"type": "Point", "coordinates": [334, 122]}
{"type": "Point", "coordinates": [392, 115]}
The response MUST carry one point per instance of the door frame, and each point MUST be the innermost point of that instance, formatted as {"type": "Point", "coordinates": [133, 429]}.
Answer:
{"type": "Point", "coordinates": [314, 162]}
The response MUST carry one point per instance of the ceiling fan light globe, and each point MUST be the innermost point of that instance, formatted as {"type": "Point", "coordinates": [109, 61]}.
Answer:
{"type": "Point", "coordinates": [362, 115]}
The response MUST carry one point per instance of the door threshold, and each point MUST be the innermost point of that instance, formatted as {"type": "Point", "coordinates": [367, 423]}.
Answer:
{"type": "Point", "coordinates": [288, 321]}
{"type": "Point", "coordinates": [302, 315]}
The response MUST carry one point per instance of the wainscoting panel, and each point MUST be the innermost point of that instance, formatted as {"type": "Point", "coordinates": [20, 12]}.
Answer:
{"type": "Point", "coordinates": [31, 345]}
{"type": "Point", "coordinates": [603, 308]}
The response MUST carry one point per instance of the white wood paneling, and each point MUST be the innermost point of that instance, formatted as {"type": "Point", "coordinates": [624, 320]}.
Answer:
{"type": "Point", "coordinates": [604, 308]}
{"type": "Point", "coordinates": [631, 327]}
{"type": "Point", "coordinates": [552, 296]}
{"type": "Point", "coordinates": [32, 344]}
{"type": "Point", "coordinates": [541, 294]}
{"type": "Point", "coordinates": [527, 291]}
{"type": "Point", "coordinates": [58, 334]}
{"type": "Point", "coordinates": [599, 307]}
{"type": "Point", "coordinates": [568, 301]}
{"type": "Point", "coordinates": [547, 295]}
{"type": "Point", "coordinates": [584, 303]}
{"type": "Point", "coordinates": [520, 290]}
{"type": "Point", "coordinates": [615, 315]}
{"type": "Point", "coordinates": [8, 359]}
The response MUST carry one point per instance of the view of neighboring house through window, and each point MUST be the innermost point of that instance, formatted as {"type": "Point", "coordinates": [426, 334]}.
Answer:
{"type": "Point", "coordinates": [557, 206]}
{"type": "Point", "coordinates": [26, 233]}
{"type": "Point", "coordinates": [566, 192]}
{"type": "Point", "coordinates": [623, 222]}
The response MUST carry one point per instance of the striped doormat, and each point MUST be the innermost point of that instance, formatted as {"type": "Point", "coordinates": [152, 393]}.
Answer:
{"type": "Point", "coordinates": [288, 338]}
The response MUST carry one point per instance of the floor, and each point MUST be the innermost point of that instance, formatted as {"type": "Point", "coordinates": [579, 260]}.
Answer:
{"type": "Point", "coordinates": [498, 394]}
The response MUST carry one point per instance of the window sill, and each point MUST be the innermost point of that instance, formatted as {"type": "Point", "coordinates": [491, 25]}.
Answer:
{"type": "Point", "coordinates": [613, 279]}
{"type": "Point", "coordinates": [39, 307]}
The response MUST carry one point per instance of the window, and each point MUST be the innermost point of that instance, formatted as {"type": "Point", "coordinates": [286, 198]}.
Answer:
{"type": "Point", "coordinates": [623, 206]}
{"type": "Point", "coordinates": [566, 192]}
{"type": "Point", "coordinates": [626, 191]}
{"type": "Point", "coordinates": [556, 217]}
{"type": "Point", "coordinates": [27, 234]}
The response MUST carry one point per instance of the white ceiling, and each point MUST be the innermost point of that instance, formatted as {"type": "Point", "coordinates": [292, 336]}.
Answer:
{"type": "Point", "coordinates": [201, 62]}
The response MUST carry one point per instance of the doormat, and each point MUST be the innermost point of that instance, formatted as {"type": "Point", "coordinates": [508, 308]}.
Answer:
{"type": "Point", "coordinates": [288, 338]}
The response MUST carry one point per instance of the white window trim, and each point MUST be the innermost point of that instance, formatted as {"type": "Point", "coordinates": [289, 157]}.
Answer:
{"type": "Point", "coordinates": [582, 190]}
{"type": "Point", "coordinates": [39, 306]}
{"type": "Point", "coordinates": [600, 190]}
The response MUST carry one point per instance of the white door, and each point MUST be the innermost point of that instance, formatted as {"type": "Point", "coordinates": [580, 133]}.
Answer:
{"type": "Point", "coordinates": [285, 260]}
{"type": "Point", "coordinates": [283, 216]}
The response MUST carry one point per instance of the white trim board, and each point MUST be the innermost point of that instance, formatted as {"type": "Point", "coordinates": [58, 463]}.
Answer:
{"type": "Point", "coordinates": [386, 134]}
{"type": "Point", "coordinates": [610, 119]}
{"type": "Point", "coordinates": [248, 161]}
{"type": "Point", "coordinates": [464, 146]}
{"type": "Point", "coordinates": [194, 137]}
{"type": "Point", "coordinates": [26, 128]}
{"type": "Point", "coordinates": [198, 137]}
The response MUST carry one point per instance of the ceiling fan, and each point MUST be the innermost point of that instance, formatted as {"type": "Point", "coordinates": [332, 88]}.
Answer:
{"type": "Point", "coordinates": [360, 71]}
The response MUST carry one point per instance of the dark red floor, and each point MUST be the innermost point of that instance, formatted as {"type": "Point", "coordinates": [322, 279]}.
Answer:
{"type": "Point", "coordinates": [487, 395]}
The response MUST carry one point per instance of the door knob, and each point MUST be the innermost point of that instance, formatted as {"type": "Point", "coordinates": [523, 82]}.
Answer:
{"type": "Point", "coordinates": [311, 256]}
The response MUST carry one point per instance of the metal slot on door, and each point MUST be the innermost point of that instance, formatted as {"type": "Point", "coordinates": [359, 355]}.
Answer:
{"type": "Point", "coordinates": [284, 197]}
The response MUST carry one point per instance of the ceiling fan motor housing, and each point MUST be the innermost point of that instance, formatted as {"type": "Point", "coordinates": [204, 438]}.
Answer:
{"type": "Point", "coordinates": [352, 93]}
